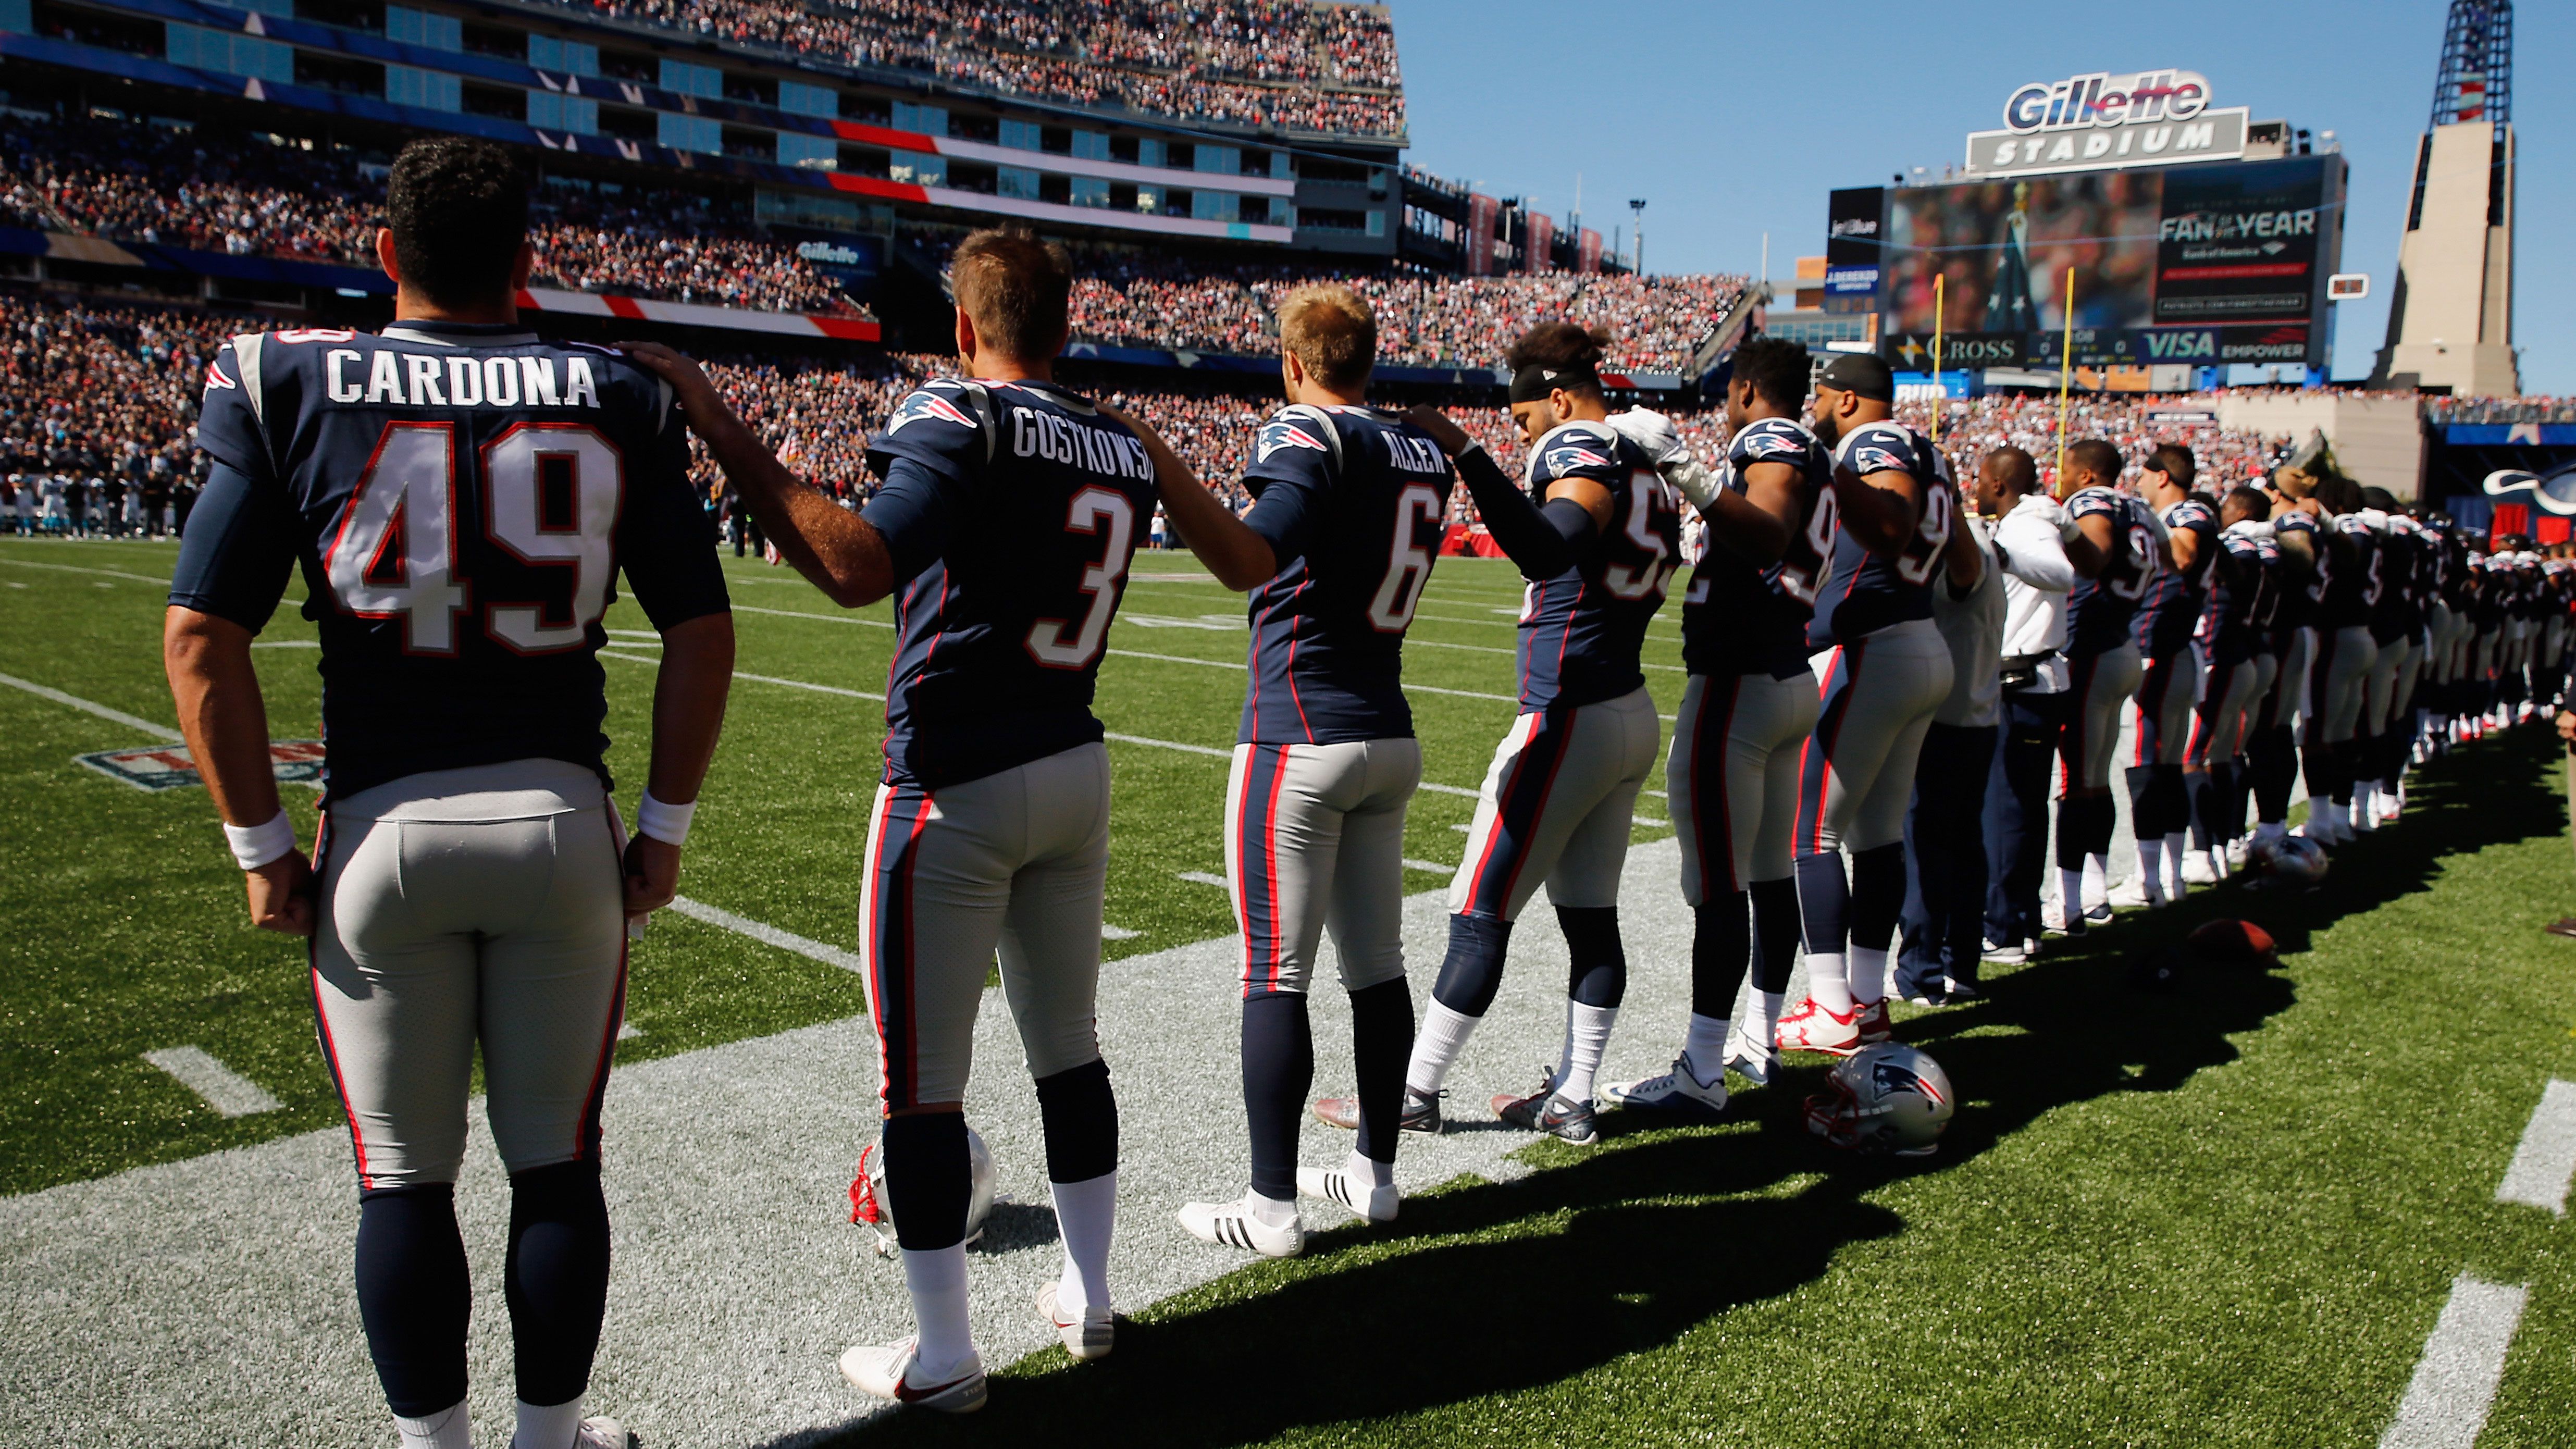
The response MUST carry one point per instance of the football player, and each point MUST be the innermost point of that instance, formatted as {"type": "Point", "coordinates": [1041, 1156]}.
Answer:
{"type": "Point", "coordinates": [2397, 629]}
{"type": "Point", "coordinates": [2331, 720]}
{"type": "Point", "coordinates": [2103, 669]}
{"type": "Point", "coordinates": [1350, 509]}
{"type": "Point", "coordinates": [2271, 746]}
{"type": "Point", "coordinates": [1889, 513]}
{"type": "Point", "coordinates": [2233, 636]}
{"type": "Point", "coordinates": [1010, 511]}
{"type": "Point", "coordinates": [460, 499]}
{"type": "Point", "coordinates": [1746, 711]}
{"type": "Point", "coordinates": [1598, 538]}
{"type": "Point", "coordinates": [2160, 717]}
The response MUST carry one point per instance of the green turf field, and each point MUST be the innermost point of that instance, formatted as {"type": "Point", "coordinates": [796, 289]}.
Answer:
{"type": "Point", "coordinates": [123, 933]}
{"type": "Point", "coordinates": [2228, 1215]}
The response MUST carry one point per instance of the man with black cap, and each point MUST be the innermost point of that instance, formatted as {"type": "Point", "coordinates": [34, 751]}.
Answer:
{"type": "Point", "coordinates": [1893, 506]}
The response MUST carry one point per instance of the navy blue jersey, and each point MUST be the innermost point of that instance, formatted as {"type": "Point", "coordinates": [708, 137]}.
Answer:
{"type": "Point", "coordinates": [2172, 605]}
{"type": "Point", "coordinates": [1354, 502]}
{"type": "Point", "coordinates": [2231, 627]}
{"type": "Point", "coordinates": [2351, 585]}
{"type": "Point", "coordinates": [2298, 607]}
{"type": "Point", "coordinates": [1741, 618]}
{"type": "Point", "coordinates": [2100, 610]}
{"type": "Point", "coordinates": [1581, 631]}
{"type": "Point", "coordinates": [1862, 592]}
{"type": "Point", "coordinates": [1012, 510]}
{"type": "Point", "coordinates": [461, 500]}
{"type": "Point", "coordinates": [2404, 581]}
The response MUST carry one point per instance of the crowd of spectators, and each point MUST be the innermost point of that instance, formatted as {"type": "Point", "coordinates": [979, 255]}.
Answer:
{"type": "Point", "coordinates": [95, 413]}
{"type": "Point", "coordinates": [1321, 67]}
{"type": "Point", "coordinates": [2228, 456]}
{"type": "Point", "coordinates": [247, 194]}
{"type": "Point", "coordinates": [2500, 409]}
{"type": "Point", "coordinates": [1126, 296]}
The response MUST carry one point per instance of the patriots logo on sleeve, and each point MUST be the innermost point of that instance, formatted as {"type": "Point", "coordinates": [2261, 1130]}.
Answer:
{"type": "Point", "coordinates": [1566, 459]}
{"type": "Point", "coordinates": [1762, 442]}
{"type": "Point", "coordinates": [2093, 503]}
{"type": "Point", "coordinates": [215, 375]}
{"type": "Point", "coordinates": [1880, 450]}
{"type": "Point", "coordinates": [926, 404]}
{"type": "Point", "coordinates": [1278, 437]}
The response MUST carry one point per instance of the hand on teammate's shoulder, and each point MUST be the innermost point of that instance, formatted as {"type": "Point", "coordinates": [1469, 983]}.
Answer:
{"type": "Point", "coordinates": [1452, 438]}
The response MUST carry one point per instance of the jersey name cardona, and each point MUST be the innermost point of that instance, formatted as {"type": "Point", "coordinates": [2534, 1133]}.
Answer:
{"type": "Point", "coordinates": [416, 379]}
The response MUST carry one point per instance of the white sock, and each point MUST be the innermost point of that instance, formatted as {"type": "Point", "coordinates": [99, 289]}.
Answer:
{"type": "Point", "coordinates": [549, 1426]}
{"type": "Point", "coordinates": [1828, 983]}
{"type": "Point", "coordinates": [2215, 859]}
{"type": "Point", "coordinates": [2176, 843]}
{"type": "Point", "coordinates": [1706, 1043]}
{"type": "Point", "coordinates": [2321, 812]}
{"type": "Point", "coordinates": [1435, 1048]}
{"type": "Point", "coordinates": [1270, 1210]}
{"type": "Point", "coordinates": [2151, 867]}
{"type": "Point", "coordinates": [449, 1428]}
{"type": "Point", "coordinates": [1085, 1212]}
{"type": "Point", "coordinates": [1360, 1167]}
{"type": "Point", "coordinates": [2070, 891]}
{"type": "Point", "coordinates": [1587, 1036]}
{"type": "Point", "coordinates": [2271, 829]}
{"type": "Point", "coordinates": [1764, 1029]}
{"type": "Point", "coordinates": [2097, 880]}
{"type": "Point", "coordinates": [937, 1279]}
{"type": "Point", "coordinates": [1867, 973]}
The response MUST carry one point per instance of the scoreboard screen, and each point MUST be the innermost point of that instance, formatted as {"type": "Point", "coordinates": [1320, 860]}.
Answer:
{"type": "Point", "coordinates": [2202, 264]}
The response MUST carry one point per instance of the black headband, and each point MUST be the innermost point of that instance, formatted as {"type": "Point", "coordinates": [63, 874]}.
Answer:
{"type": "Point", "coordinates": [1534, 382]}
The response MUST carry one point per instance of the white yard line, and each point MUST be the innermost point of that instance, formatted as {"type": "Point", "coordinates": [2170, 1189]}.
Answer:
{"type": "Point", "coordinates": [157, 731]}
{"type": "Point", "coordinates": [1431, 867]}
{"type": "Point", "coordinates": [2546, 1157]}
{"type": "Point", "coordinates": [1201, 877]}
{"type": "Point", "coordinates": [225, 1090]}
{"type": "Point", "coordinates": [767, 934]}
{"type": "Point", "coordinates": [2455, 1381]}
{"type": "Point", "coordinates": [25, 563]}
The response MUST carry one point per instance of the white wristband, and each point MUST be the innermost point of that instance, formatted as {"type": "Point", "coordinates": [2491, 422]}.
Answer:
{"type": "Point", "coordinates": [664, 822]}
{"type": "Point", "coordinates": [258, 845]}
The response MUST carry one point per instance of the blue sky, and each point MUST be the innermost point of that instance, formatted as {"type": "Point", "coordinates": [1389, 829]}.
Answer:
{"type": "Point", "coordinates": [1733, 120]}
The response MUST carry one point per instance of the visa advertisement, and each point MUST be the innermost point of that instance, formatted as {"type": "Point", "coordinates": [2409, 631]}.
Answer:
{"type": "Point", "coordinates": [2204, 264]}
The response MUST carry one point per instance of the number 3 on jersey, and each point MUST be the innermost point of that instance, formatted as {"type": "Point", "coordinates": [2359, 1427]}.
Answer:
{"type": "Point", "coordinates": [552, 493]}
{"type": "Point", "coordinates": [1092, 508]}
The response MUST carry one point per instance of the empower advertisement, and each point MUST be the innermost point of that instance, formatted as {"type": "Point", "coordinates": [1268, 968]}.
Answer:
{"type": "Point", "coordinates": [2201, 264]}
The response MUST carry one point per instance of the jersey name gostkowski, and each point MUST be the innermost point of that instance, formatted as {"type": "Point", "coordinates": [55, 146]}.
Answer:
{"type": "Point", "coordinates": [1738, 617]}
{"type": "Point", "coordinates": [1581, 632]}
{"type": "Point", "coordinates": [461, 500]}
{"type": "Point", "coordinates": [1354, 502]}
{"type": "Point", "coordinates": [1012, 511]}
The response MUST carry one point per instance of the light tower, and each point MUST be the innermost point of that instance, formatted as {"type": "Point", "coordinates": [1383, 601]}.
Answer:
{"type": "Point", "coordinates": [2450, 316]}
{"type": "Point", "coordinates": [1637, 209]}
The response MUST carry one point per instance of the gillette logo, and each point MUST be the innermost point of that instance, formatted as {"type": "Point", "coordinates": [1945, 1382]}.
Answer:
{"type": "Point", "coordinates": [2103, 99]}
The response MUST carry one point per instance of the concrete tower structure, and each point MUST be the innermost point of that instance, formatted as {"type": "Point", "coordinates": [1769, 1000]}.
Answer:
{"type": "Point", "coordinates": [2450, 316]}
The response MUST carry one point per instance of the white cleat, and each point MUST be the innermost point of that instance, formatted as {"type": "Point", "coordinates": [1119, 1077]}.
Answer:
{"type": "Point", "coordinates": [1086, 1335]}
{"type": "Point", "coordinates": [602, 1433]}
{"type": "Point", "coordinates": [891, 1371]}
{"type": "Point", "coordinates": [2130, 895]}
{"type": "Point", "coordinates": [1233, 1225]}
{"type": "Point", "coordinates": [1679, 1091]}
{"type": "Point", "coordinates": [1332, 1184]}
{"type": "Point", "coordinates": [1753, 1061]}
{"type": "Point", "coordinates": [2202, 868]}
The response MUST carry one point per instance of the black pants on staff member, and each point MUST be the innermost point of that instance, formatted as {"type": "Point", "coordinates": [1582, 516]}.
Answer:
{"type": "Point", "coordinates": [1945, 838]}
{"type": "Point", "coordinates": [2017, 814]}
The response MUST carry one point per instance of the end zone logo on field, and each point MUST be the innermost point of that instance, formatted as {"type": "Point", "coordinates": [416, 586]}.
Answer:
{"type": "Point", "coordinates": [170, 767]}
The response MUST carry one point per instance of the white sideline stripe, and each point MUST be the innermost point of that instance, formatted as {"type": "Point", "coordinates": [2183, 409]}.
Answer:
{"type": "Point", "coordinates": [810, 614]}
{"type": "Point", "coordinates": [1433, 866]}
{"type": "Point", "coordinates": [1200, 877]}
{"type": "Point", "coordinates": [1109, 932]}
{"type": "Point", "coordinates": [2546, 1158]}
{"type": "Point", "coordinates": [1208, 750]}
{"type": "Point", "coordinates": [157, 731]}
{"type": "Point", "coordinates": [628, 1031]}
{"type": "Point", "coordinates": [2455, 1381]}
{"type": "Point", "coordinates": [77, 569]}
{"type": "Point", "coordinates": [767, 934]}
{"type": "Point", "coordinates": [225, 1090]}
{"type": "Point", "coordinates": [286, 644]}
{"type": "Point", "coordinates": [763, 679]}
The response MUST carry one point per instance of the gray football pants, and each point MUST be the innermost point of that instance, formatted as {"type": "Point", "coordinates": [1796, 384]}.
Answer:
{"type": "Point", "coordinates": [2389, 685]}
{"type": "Point", "coordinates": [1314, 840]}
{"type": "Point", "coordinates": [2099, 685]}
{"type": "Point", "coordinates": [1733, 779]}
{"type": "Point", "coordinates": [1875, 703]}
{"type": "Point", "coordinates": [1015, 861]}
{"type": "Point", "coordinates": [1557, 806]}
{"type": "Point", "coordinates": [458, 907]}
{"type": "Point", "coordinates": [2335, 684]}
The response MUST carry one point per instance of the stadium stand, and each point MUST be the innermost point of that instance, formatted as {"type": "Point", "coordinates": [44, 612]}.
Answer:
{"type": "Point", "coordinates": [245, 193]}
{"type": "Point", "coordinates": [1319, 67]}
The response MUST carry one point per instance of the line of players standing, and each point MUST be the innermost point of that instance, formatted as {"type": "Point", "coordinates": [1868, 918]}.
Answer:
{"type": "Point", "coordinates": [79, 495]}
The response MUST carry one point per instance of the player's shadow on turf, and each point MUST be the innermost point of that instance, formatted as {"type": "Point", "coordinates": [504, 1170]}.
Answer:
{"type": "Point", "coordinates": [1494, 1288]}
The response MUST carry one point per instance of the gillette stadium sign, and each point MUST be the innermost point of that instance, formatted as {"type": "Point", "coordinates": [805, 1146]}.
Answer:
{"type": "Point", "coordinates": [2101, 121]}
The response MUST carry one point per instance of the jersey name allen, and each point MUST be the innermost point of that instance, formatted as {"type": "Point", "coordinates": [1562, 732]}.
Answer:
{"type": "Point", "coordinates": [1060, 439]}
{"type": "Point", "coordinates": [417, 380]}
